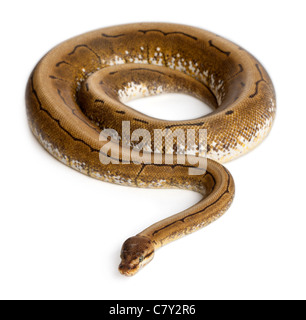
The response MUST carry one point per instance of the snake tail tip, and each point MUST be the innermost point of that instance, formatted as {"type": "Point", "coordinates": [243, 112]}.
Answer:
{"type": "Point", "coordinates": [136, 252]}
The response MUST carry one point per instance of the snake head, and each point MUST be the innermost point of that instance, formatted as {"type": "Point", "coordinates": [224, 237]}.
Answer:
{"type": "Point", "coordinates": [136, 252]}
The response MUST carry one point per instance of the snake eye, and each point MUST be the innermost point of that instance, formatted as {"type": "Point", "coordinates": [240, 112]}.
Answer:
{"type": "Point", "coordinates": [141, 259]}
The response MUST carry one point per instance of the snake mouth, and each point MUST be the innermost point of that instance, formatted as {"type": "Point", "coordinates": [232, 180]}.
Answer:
{"type": "Point", "coordinates": [128, 269]}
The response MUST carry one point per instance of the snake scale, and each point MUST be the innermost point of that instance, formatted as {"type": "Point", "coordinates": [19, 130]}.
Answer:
{"type": "Point", "coordinates": [79, 88]}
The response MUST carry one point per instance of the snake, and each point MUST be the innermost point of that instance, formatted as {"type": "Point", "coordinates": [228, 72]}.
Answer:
{"type": "Point", "coordinates": [76, 103]}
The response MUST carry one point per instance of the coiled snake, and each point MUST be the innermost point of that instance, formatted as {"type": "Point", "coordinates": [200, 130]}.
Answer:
{"type": "Point", "coordinates": [79, 88]}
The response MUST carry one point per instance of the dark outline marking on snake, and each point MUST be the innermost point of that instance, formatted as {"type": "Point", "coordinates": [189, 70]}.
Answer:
{"type": "Point", "coordinates": [138, 174]}
{"type": "Point", "coordinates": [56, 78]}
{"type": "Point", "coordinates": [236, 74]}
{"type": "Point", "coordinates": [217, 48]}
{"type": "Point", "coordinates": [257, 82]}
{"type": "Point", "coordinates": [87, 47]}
{"type": "Point", "coordinates": [99, 101]}
{"type": "Point", "coordinates": [146, 69]}
{"type": "Point", "coordinates": [168, 33]}
{"type": "Point", "coordinates": [184, 124]}
{"type": "Point", "coordinates": [67, 63]}
{"type": "Point", "coordinates": [139, 120]}
{"type": "Point", "coordinates": [110, 36]}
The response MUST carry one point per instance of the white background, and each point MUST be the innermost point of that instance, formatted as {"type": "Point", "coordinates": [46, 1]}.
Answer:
{"type": "Point", "coordinates": [61, 232]}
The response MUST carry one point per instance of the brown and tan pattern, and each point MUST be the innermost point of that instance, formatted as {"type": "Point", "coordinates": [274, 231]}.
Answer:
{"type": "Point", "coordinates": [80, 86]}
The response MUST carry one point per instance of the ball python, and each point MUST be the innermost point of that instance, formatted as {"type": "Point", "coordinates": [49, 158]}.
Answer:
{"type": "Point", "coordinates": [80, 87]}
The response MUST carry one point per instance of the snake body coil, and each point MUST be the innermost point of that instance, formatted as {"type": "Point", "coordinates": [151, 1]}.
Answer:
{"type": "Point", "coordinates": [79, 88]}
